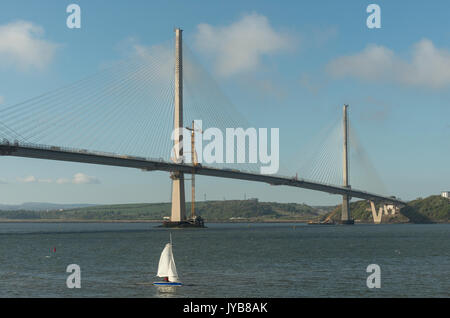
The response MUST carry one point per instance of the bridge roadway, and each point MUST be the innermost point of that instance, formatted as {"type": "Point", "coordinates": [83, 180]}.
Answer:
{"type": "Point", "coordinates": [110, 159]}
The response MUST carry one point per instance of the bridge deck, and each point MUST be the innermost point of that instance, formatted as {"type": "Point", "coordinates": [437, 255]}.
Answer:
{"type": "Point", "coordinates": [84, 156]}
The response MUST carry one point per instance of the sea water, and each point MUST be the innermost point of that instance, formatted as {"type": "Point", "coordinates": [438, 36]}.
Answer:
{"type": "Point", "coordinates": [226, 260]}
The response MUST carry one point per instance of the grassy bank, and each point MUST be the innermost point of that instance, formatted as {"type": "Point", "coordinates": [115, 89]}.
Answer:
{"type": "Point", "coordinates": [434, 209]}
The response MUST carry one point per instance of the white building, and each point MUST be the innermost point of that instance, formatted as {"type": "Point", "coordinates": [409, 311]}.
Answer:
{"type": "Point", "coordinates": [445, 194]}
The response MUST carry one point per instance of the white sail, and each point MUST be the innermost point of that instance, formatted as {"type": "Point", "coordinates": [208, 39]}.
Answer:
{"type": "Point", "coordinates": [166, 267]}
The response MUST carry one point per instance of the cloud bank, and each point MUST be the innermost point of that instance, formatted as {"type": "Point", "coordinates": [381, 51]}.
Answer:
{"type": "Point", "coordinates": [22, 45]}
{"type": "Point", "coordinates": [428, 67]}
{"type": "Point", "coordinates": [81, 178]}
{"type": "Point", "coordinates": [29, 179]}
{"type": "Point", "coordinates": [240, 46]}
{"type": "Point", "coordinates": [78, 178]}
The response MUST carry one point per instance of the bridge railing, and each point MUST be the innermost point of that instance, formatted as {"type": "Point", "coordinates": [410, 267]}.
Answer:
{"type": "Point", "coordinates": [6, 142]}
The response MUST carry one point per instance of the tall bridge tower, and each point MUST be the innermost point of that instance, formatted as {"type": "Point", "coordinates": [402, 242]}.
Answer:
{"type": "Point", "coordinates": [178, 195]}
{"type": "Point", "coordinates": [345, 214]}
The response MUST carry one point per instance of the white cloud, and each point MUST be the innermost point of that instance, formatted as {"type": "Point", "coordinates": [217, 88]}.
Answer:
{"type": "Point", "coordinates": [29, 179]}
{"type": "Point", "coordinates": [2, 99]}
{"type": "Point", "coordinates": [78, 178]}
{"type": "Point", "coordinates": [33, 179]}
{"type": "Point", "coordinates": [428, 67]}
{"type": "Point", "coordinates": [62, 181]}
{"type": "Point", "coordinates": [240, 46]}
{"type": "Point", "coordinates": [81, 178]}
{"type": "Point", "coordinates": [21, 45]}
{"type": "Point", "coordinates": [370, 64]}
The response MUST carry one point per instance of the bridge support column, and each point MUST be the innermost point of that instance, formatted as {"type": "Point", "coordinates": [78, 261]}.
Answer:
{"type": "Point", "coordinates": [178, 214]}
{"type": "Point", "coordinates": [178, 198]}
{"type": "Point", "coordinates": [345, 214]}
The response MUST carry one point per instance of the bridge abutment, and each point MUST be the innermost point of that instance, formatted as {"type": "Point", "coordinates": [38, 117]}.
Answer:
{"type": "Point", "coordinates": [382, 210]}
{"type": "Point", "coordinates": [376, 216]}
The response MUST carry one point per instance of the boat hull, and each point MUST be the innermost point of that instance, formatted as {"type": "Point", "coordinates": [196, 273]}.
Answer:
{"type": "Point", "coordinates": [347, 222]}
{"type": "Point", "coordinates": [167, 284]}
{"type": "Point", "coordinates": [321, 223]}
{"type": "Point", "coordinates": [191, 223]}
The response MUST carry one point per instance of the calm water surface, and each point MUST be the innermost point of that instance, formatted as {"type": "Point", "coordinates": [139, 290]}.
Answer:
{"type": "Point", "coordinates": [225, 260]}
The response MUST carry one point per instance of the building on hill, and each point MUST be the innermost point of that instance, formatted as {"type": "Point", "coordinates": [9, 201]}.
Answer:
{"type": "Point", "coordinates": [445, 194]}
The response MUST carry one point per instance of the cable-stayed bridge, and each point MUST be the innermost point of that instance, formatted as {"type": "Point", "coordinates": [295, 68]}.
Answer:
{"type": "Point", "coordinates": [128, 114]}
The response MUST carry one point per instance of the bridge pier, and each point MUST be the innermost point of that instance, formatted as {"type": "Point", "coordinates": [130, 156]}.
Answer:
{"type": "Point", "coordinates": [178, 213]}
{"type": "Point", "coordinates": [178, 195]}
{"type": "Point", "coordinates": [345, 213]}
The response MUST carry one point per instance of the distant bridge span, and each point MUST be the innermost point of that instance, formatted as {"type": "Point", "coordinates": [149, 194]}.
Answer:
{"type": "Point", "coordinates": [147, 164]}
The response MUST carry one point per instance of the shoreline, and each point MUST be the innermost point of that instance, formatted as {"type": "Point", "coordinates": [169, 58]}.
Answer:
{"type": "Point", "coordinates": [135, 221]}
{"type": "Point", "coordinates": [6, 221]}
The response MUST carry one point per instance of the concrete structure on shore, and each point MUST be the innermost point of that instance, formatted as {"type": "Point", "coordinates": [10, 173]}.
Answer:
{"type": "Point", "coordinates": [385, 209]}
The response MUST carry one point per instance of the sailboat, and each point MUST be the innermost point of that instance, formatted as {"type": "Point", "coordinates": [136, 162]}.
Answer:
{"type": "Point", "coordinates": [167, 268]}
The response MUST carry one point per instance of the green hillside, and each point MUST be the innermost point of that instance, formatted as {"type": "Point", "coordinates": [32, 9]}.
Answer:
{"type": "Point", "coordinates": [433, 209]}
{"type": "Point", "coordinates": [210, 210]}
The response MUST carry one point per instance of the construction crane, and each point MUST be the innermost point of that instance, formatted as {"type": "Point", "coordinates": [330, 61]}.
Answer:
{"type": "Point", "coordinates": [326, 221]}
{"type": "Point", "coordinates": [194, 164]}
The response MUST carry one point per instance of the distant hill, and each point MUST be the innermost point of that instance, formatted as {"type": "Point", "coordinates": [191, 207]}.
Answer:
{"type": "Point", "coordinates": [433, 209]}
{"type": "Point", "coordinates": [251, 210]}
{"type": "Point", "coordinates": [255, 210]}
{"type": "Point", "coordinates": [41, 206]}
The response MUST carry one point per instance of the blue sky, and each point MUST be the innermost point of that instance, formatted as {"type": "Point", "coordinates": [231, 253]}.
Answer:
{"type": "Point", "coordinates": [318, 55]}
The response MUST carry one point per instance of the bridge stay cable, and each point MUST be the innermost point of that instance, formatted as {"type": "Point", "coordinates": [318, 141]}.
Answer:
{"type": "Point", "coordinates": [93, 115]}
